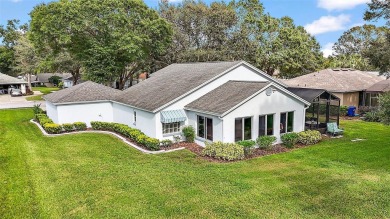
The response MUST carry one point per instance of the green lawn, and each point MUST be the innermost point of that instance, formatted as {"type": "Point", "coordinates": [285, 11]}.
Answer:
{"type": "Point", "coordinates": [96, 175]}
{"type": "Point", "coordinates": [45, 90]}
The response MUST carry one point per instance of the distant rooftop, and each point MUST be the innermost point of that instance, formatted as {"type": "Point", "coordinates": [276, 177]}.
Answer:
{"type": "Point", "coordinates": [6, 79]}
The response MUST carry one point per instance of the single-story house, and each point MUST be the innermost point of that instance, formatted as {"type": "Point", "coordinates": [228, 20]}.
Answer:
{"type": "Point", "coordinates": [373, 92]}
{"type": "Point", "coordinates": [68, 82]}
{"type": "Point", "coordinates": [8, 82]}
{"type": "Point", "coordinates": [223, 101]}
{"type": "Point", "coordinates": [43, 78]}
{"type": "Point", "coordinates": [347, 84]}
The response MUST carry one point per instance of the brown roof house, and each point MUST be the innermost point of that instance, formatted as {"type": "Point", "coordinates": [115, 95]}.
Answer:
{"type": "Point", "coordinates": [373, 92]}
{"type": "Point", "coordinates": [347, 84]}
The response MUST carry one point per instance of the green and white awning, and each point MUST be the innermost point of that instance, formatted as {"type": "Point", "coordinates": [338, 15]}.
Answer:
{"type": "Point", "coordinates": [170, 116]}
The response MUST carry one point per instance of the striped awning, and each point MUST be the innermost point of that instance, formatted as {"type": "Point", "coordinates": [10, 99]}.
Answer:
{"type": "Point", "coordinates": [170, 116]}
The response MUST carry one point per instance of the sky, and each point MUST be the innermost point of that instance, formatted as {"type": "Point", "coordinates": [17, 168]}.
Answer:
{"type": "Point", "coordinates": [324, 19]}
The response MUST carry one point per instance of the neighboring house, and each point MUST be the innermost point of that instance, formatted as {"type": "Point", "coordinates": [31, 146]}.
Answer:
{"type": "Point", "coordinates": [43, 78]}
{"type": "Point", "coordinates": [68, 82]}
{"type": "Point", "coordinates": [8, 82]}
{"type": "Point", "coordinates": [347, 84]}
{"type": "Point", "coordinates": [223, 101]}
{"type": "Point", "coordinates": [373, 92]}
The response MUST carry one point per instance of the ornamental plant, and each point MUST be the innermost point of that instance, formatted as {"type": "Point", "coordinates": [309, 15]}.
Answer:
{"type": "Point", "coordinates": [309, 137]}
{"type": "Point", "coordinates": [248, 145]}
{"type": "Point", "coordinates": [289, 139]}
{"type": "Point", "coordinates": [224, 151]}
{"type": "Point", "coordinates": [189, 133]}
{"type": "Point", "coordinates": [265, 142]}
{"type": "Point", "coordinates": [80, 126]}
{"type": "Point", "coordinates": [52, 128]}
{"type": "Point", "coordinates": [68, 127]}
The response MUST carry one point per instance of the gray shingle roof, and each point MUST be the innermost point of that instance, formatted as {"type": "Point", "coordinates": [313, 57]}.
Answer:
{"type": "Point", "coordinates": [44, 77]}
{"type": "Point", "coordinates": [87, 91]}
{"type": "Point", "coordinates": [307, 94]}
{"type": "Point", "coordinates": [6, 79]}
{"type": "Point", "coordinates": [336, 80]}
{"type": "Point", "coordinates": [226, 96]}
{"type": "Point", "coordinates": [381, 86]}
{"type": "Point", "coordinates": [170, 83]}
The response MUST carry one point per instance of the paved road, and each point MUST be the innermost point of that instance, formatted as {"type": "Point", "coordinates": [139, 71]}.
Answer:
{"type": "Point", "coordinates": [8, 102]}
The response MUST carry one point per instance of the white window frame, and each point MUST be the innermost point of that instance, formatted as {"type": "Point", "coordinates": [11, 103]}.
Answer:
{"type": "Point", "coordinates": [205, 127]}
{"type": "Point", "coordinates": [266, 123]}
{"type": "Point", "coordinates": [280, 116]}
{"type": "Point", "coordinates": [176, 128]}
{"type": "Point", "coordinates": [243, 127]}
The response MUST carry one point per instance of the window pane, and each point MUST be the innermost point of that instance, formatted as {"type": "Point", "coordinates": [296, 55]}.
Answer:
{"type": "Point", "coordinates": [261, 125]}
{"type": "Point", "coordinates": [283, 123]}
{"type": "Point", "coordinates": [238, 130]}
{"type": "Point", "coordinates": [209, 123]}
{"type": "Point", "coordinates": [367, 100]}
{"type": "Point", "coordinates": [247, 128]}
{"type": "Point", "coordinates": [201, 126]}
{"type": "Point", "coordinates": [270, 124]}
{"type": "Point", "coordinates": [290, 123]}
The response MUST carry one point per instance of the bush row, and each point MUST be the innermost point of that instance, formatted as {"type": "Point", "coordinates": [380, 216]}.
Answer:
{"type": "Point", "coordinates": [224, 151]}
{"type": "Point", "coordinates": [308, 137]}
{"type": "Point", "coordinates": [50, 127]}
{"type": "Point", "coordinates": [134, 134]}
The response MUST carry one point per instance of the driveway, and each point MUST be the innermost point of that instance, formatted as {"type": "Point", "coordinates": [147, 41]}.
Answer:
{"type": "Point", "coordinates": [8, 102]}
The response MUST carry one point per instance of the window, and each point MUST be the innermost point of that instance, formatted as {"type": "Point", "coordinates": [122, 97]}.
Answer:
{"type": "Point", "coordinates": [266, 125]}
{"type": "Point", "coordinates": [286, 122]}
{"type": "Point", "coordinates": [243, 129]}
{"type": "Point", "coordinates": [171, 127]}
{"type": "Point", "coordinates": [205, 127]}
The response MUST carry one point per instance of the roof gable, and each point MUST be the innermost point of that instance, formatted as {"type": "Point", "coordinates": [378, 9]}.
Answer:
{"type": "Point", "coordinates": [226, 96]}
{"type": "Point", "coordinates": [84, 92]}
{"type": "Point", "coordinates": [6, 79]}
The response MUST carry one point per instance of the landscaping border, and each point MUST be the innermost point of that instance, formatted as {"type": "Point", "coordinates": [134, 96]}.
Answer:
{"type": "Point", "coordinates": [111, 133]}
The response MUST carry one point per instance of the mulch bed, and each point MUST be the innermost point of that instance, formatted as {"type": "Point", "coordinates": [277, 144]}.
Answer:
{"type": "Point", "coordinates": [197, 149]}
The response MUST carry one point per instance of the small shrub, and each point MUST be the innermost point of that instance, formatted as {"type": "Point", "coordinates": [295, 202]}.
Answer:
{"type": "Point", "coordinates": [166, 143]}
{"type": "Point", "coordinates": [176, 138]}
{"type": "Point", "coordinates": [52, 128]}
{"type": "Point", "coordinates": [140, 139]}
{"type": "Point", "coordinates": [152, 144]}
{"type": "Point", "coordinates": [37, 109]}
{"type": "Point", "coordinates": [265, 142]}
{"type": "Point", "coordinates": [80, 126]}
{"type": "Point", "coordinates": [68, 127]}
{"type": "Point", "coordinates": [373, 116]}
{"type": "Point", "coordinates": [249, 146]}
{"type": "Point", "coordinates": [309, 137]}
{"type": "Point", "coordinates": [224, 151]}
{"type": "Point", "coordinates": [289, 139]}
{"type": "Point", "coordinates": [343, 110]}
{"type": "Point", "coordinates": [45, 120]}
{"type": "Point", "coordinates": [189, 133]}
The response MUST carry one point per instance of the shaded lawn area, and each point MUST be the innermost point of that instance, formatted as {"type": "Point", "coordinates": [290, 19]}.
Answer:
{"type": "Point", "coordinates": [45, 90]}
{"type": "Point", "coordinates": [96, 175]}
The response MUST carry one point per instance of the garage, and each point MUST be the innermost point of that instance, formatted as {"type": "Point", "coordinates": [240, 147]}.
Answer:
{"type": "Point", "coordinates": [9, 83]}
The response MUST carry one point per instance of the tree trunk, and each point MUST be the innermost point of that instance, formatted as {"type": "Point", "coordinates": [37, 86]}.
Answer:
{"type": "Point", "coordinates": [29, 89]}
{"type": "Point", "coordinates": [75, 75]}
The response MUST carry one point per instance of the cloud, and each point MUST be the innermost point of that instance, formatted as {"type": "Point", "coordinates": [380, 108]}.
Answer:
{"type": "Point", "coordinates": [328, 24]}
{"type": "Point", "coordinates": [328, 50]}
{"type": "Point", "coordinates": [331, 5]}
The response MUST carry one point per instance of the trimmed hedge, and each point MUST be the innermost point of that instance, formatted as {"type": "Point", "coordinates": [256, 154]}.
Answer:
{"type": "Point", "coordinates": [68, 127]}
{"type": "Point", "coordinates": [80, 126]}
{"type": "Point", "coordinates": [289, 139]}
{"type": "Point", "coordinates": [224, 151]}
{"type": "Point", "coordinates": [265, 142]}
{"type": "Point", "coordinates": [52, 128]}
{"type": "Point", "coordinates": [309, 137]}
{"type": "Point", "coordinates": [134, 134]}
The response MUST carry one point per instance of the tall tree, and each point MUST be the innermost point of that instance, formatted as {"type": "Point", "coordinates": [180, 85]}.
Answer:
{"type": "Point", "coordinates": [378, 9]}
{"type": "Point", "coordinates": [111, 39]}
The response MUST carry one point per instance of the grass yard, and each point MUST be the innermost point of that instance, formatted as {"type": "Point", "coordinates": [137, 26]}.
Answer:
{"type": "Point", "coordinates": [44, 90]}
{"type": "Point", "coordinates": [96, 175]}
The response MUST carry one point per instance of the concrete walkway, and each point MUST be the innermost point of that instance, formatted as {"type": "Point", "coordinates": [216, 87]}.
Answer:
{"type": "Point", "coordinates": [8, 102]}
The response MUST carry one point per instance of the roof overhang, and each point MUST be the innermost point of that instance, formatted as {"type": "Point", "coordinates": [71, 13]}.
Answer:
{"type": "Point", "coordinates": [170, 116]}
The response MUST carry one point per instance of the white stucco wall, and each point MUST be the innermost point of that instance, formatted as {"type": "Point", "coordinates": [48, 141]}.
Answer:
{"type": "Point", "coordinates": [51, 111]}
{"type": "Point", "coordinates": [146, 121]}
{"type": "Point", "coordinates": [85, 112]}
{"type": "Point", "coordinates": [241, 73]}
{"type": "Point", "coordinates": [262, 104]}
{"type": "Point", "coordinates": [217, 126]}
